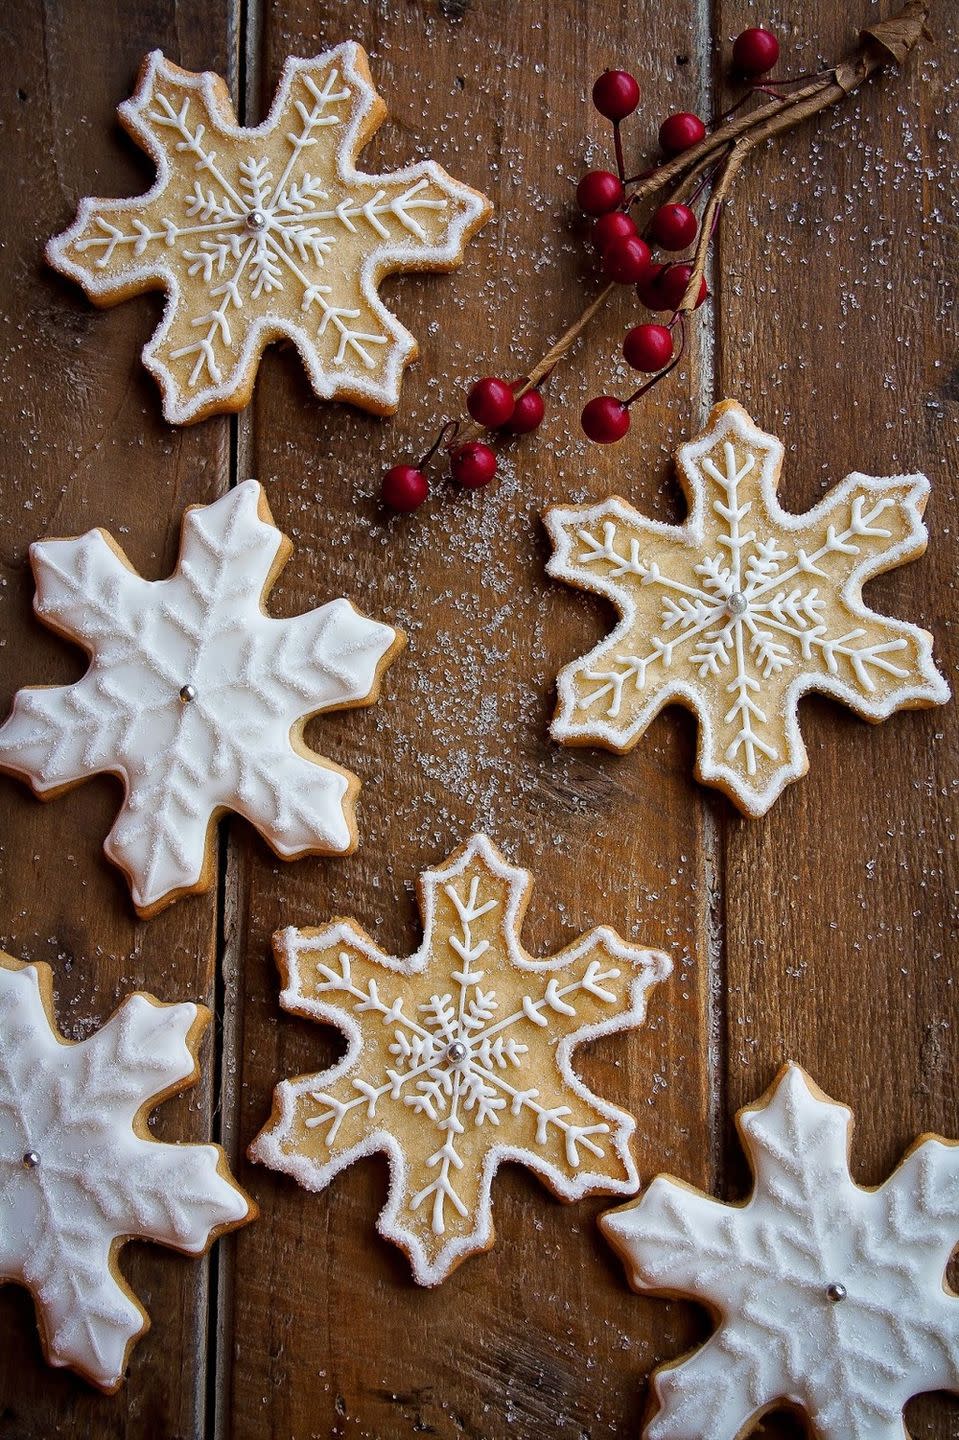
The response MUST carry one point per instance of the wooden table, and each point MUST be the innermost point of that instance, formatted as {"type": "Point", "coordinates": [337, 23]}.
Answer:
{"type": "Point", "coordinates": [821, 933]}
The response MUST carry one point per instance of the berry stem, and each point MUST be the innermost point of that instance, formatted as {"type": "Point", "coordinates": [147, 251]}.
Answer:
{"type": "Point", "coordinates": [717, 159]}
{"type": "Point", "coordinates": [733, 109]}
{"type": "Point", "coordinates": [446, 436]}
{"type": "Point", "coordinates": [618, 147]}
{"type": "Point", "coordinates": [661, 374]}
{"type": "Point", "coordinates": [554, 354]}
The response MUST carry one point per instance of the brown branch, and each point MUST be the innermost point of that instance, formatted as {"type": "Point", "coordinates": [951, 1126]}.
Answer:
{"type": "Point", "coordinates": [727, 175]}
{"type": "Point", "coordinates": [887, 42]}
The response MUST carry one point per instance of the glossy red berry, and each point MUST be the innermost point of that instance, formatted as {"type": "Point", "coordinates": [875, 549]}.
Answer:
{"type": "Point", "coordinates": [648, 347]}
{"type": "Point", "coordinates": [626, 260]}
{"type": "Point", "coordinates": [528, 413]}
{"type": "Point", "coordinates": [756, 50]}
{"type": "Point", "coordinates": [473, 465]}
{"type": "Point", "coordinates": [599, 191]}
{"type": "Point", "coordinates": [605, 419]}
{"type": "Point", "coordinates": [680, 132]}
{"type": "Point", "coordinates": [404, 488]}
{"type": "Point", "coordinates": [672, 286]}
{"type": "Point", "coordinates": [674, 227]}
{"type": "Point", "coordinates": [616, 94]}
{"type": "Point", "coordinates": [617, 225]}
{"type": "Point", "coordinates": [650, 288]}
{"type": "Point", "coordinates": [490, 402]}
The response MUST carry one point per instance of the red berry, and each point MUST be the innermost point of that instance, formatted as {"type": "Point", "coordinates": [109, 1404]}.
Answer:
{"type": "Point", "coordinates": [404, 488]}
{"type": "Point", "coordinates": [674, 227]}
{"type": "Point", "coordinates": [680, 132]}
{"type": "Point", "coordinates": [490, 402]}
{"type": "Point", "coordinates": [473, 465]}
{"type": "Point", "coordinates": [605, 419]}
{"type": "Point", "coordinates": [755, 51]}
{"type": "Point", "coordinates": [528, 413]}
{"type": "Point", "coordinates": [650, 288]}
{"type": "Point", "coordinates": [672, 286]}
{"type": "Point", "coordinates": [648, 347]}
{"type": "Point", "coordinates": [627, 260]}
{"type": "Point", "coordinates": [617, 225]}
{"type": "Point", "coordinates": [599, 191]}
{"type": "Point", "coordinates": [616, 94]}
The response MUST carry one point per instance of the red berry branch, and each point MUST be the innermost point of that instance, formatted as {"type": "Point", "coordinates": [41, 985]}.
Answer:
{"type": "Point", "coordinates": [656, 209]}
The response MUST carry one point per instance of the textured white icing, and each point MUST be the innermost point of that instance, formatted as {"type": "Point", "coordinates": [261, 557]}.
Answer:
{"type": "Point", "coordinates": [255, 679]}
{"type": "Point", "coordinates": [253, 235]}
{"type": "Point", "coordinates": [495, 1079]}
{"type": "Point", "coordinates": [759, 611]}
{"type": "Point", "coordinates": [769, 1270]}
{"type": "Point", "coordinates": [89, 1180]}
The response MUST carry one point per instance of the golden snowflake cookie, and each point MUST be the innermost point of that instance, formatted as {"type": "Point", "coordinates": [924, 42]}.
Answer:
{"type": "Point", "coordinates": [740, 611]}
{"type": "Point", "coordinates": [459, 1058]}
{"type": "Point", "coordinates": [268, 233]}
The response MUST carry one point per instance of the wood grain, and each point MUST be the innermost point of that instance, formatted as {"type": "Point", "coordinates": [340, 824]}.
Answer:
{"type": "Point", "coordinates": [819, 933]}
{"type": "Point", "coordinates": [520, 1341]}
{"type": "Point", "coordinates": [838, 946]}
{"type": "Point", "coordinates": [88, 447]}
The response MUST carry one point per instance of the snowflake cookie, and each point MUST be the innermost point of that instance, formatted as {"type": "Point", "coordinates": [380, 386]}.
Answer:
{"type": "Point", "coordinates": [268, 233]}
{"type": "Point", "coordinates": [741, 610]}
{"type": "Point", "coordinates": [828, 1296]}
{"type": "Point", "coordinates": [80, 1173]}
{"type": "Point", "coordinates": [195, 696]}
{"type": "Point", "coordinates": [459, 1058]}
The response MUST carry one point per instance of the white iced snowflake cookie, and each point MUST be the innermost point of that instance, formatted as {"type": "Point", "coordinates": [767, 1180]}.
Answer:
{"type": "Point", "coordinates": [459, 1058]}
{"type": "Point", "coordinates": [740, 611]}
{"type": "Point", "coordinates": [80, 1173]}
{"type": "Point", "coordinates": [827, 1296]}
{"type": "Point", "coordinates": [195, 696]}
{"type": "Point", "coordinates": [266, 234]}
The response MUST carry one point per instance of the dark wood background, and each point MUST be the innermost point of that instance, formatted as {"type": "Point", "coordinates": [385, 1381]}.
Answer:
{"type": "Point", "coordinates": [822, 933]}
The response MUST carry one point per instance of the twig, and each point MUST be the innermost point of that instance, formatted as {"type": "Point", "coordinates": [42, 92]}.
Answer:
{"type": "Point", "coordinates": [725, 149]}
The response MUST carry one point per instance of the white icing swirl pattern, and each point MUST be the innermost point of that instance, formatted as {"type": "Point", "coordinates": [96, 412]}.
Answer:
{"type": "Point", "coordinates": [76, 1176]}
{"type": "Point", "coordinates": [195, 696]}
{"type": "Point", "coordinates": [827, 1295]}
{"type": "Point", "coordinates": [460, 1057]}
{"type": "Point", "coordinates": [742, 610]}
{"type": "Point", "coordinates": [268, 232]}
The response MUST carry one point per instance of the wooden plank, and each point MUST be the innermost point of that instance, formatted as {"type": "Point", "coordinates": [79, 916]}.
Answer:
{"type": "Point", "coordinates": [834, 333]}
{"type": "Point", "coordinates": [93, 451]}
{"type": "Point", "coordinates": [330, 1337]}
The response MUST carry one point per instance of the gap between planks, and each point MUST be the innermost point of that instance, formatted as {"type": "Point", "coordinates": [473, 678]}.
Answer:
{"type": "Point", "coordinates": [246, 24]}
{"type": "Point", "coordinates": [714, 850]}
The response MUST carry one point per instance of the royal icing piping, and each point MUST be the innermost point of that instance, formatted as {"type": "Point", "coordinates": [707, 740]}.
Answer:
{"type": "Point", "coordinates": [194, 696]}
{"type": "Point", "coordinates": [77, 1179]}
{"type": "Point", "coordinates": [827, 1295]}
{"type": "Point", "coordinates": [459, 1058]}
{"type": "Point", "coordinates": [742, 610]}
{"type": "Point", "coordinates": [268, 232]}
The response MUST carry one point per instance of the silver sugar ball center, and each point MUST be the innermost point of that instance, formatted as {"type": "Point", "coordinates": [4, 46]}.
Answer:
{"type": "Point", "coordinates": [187, 693]}
{"type": "Point", "coordinates": [31, 1160]}
{"type": "Point", "coordinates": [456, 1052]}
{"type": "Point", "coordinates": [256, 220]}
{"type": "Point", "coordinates": [737, 604]}
{"type": "Point", "coordinates": [835, 1292]}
